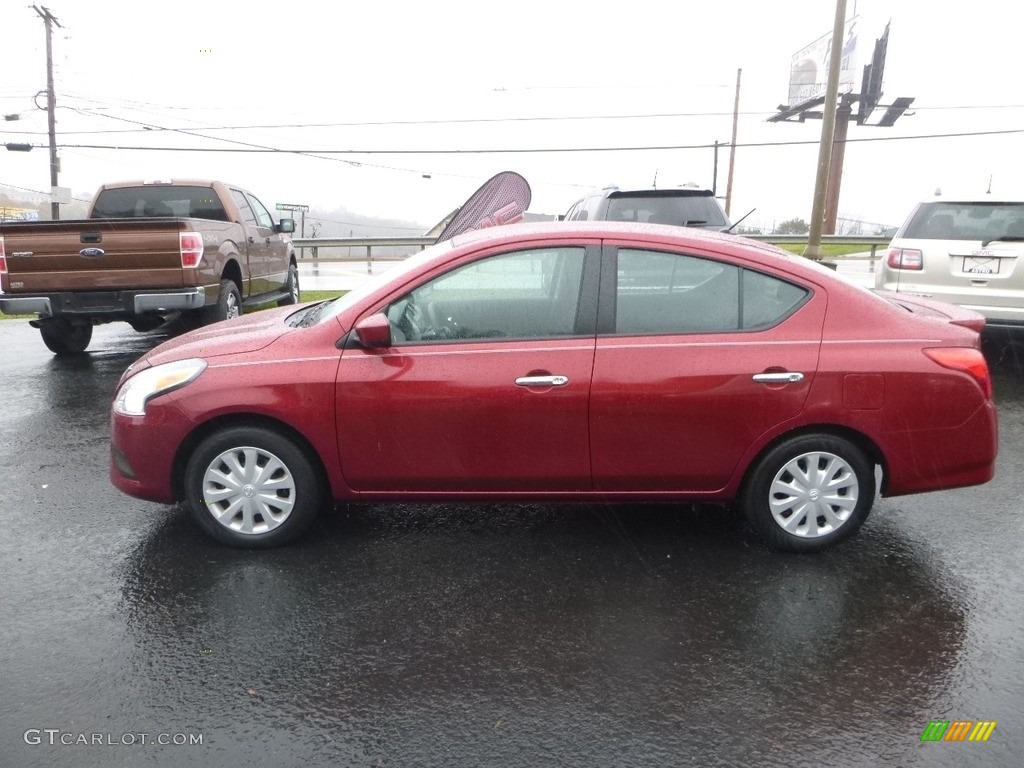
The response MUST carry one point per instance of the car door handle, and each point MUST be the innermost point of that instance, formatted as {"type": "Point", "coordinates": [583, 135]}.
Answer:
{"type": "Point", "coordinates": [785, 377]}
{"type": "Point", "coordinates": [542, 381]}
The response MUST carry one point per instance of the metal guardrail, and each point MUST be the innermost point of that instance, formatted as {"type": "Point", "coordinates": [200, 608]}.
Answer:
{"type": "Point", "coordinates": [309, 248]}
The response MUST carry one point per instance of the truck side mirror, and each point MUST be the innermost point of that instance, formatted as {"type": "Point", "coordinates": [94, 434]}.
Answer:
{"type": "Point", "coordinates": [286, 225]}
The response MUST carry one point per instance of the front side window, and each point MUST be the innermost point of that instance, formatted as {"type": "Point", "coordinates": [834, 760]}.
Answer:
{"type": "Point", "coordinates": [523, 295]}
{"type": "Point", "coordinates": [666, 293]}
{"type": "Point", "coordinates": [262, 214]}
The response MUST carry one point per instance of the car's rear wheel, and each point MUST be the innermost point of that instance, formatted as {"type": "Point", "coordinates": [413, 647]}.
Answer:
{"type": "Point", "coordinates": [252, 487]}
{"type": "Point", "coordinates": [63, 337]}
{"type": "Point", "coordinates": [809, 492]}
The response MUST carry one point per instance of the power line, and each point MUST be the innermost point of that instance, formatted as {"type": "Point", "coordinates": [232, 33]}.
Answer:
{"type": "Point", "coordinates": [318, 153]}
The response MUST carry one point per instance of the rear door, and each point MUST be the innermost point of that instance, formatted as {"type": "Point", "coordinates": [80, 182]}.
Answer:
{"type": "Point", "coordinates": [486, 387]}
{"type": "Point", "coordinates": [253, 247]}
{"type": "Point", "coordinates": [693, 363]}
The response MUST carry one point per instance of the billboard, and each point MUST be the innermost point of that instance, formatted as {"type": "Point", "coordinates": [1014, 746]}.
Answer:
{"type": "Point", "coordinates": [9, 213]}
{"type": "Point", "coordinates": [808, 72]}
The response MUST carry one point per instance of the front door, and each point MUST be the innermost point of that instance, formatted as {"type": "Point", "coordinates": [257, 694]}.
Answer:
{"type": "Point", "coordinates": [486, 386]}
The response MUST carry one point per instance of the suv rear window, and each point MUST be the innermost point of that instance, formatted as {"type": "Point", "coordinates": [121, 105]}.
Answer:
{"type": "Point", "coordinates": [666, 207]}
{"type": "Point", "coordinates": [966, 221]}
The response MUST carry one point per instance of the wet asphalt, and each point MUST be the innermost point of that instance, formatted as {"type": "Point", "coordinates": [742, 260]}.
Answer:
{"type": "Point", "coordinates": [486, 635]}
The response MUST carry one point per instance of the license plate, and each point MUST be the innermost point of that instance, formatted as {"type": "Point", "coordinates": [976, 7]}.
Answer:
{"type": "Point", "coordinates": [981, 265]}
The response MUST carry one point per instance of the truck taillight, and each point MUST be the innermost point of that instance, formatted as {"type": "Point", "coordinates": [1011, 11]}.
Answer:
{"type": "Point", "coordinates": [905, 258]}
{"type": "Point", "coordinates": [3, 258]}
{"type": "Point", "coordinates": [191, 249]}
{"type": "Point", "coordinates": [964, 359]}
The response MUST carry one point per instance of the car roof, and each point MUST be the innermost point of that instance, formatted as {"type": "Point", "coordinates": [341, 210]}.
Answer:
{"type": "Point", "coordinates": [667, 234]}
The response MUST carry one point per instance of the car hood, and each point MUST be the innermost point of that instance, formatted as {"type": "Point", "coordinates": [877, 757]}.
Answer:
{"type": "Point", "coordinates": [242, 335]}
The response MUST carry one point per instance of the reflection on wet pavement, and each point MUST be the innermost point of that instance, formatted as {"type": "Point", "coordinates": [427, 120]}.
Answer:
{"type": "Point", "coordinates": [399, 635]}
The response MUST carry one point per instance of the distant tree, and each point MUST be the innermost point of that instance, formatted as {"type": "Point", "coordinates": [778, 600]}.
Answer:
{"type": "Point", "coordinates": [793, 227]}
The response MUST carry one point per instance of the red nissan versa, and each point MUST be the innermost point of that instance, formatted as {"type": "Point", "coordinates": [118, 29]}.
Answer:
{"type": "Point", "coordinates": [568, 361]}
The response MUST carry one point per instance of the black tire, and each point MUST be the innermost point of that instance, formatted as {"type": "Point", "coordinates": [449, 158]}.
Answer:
{"type": "Point", "coordinates": [805, 519]}
{"type": "Point", "coordinates": [63, 337]}
{"type": "Point", "coordinates": [233, 510]}
{"type": "Point", "coordinates": [292, 286]}
{"type": "Point", "coordinates": [229, 303]}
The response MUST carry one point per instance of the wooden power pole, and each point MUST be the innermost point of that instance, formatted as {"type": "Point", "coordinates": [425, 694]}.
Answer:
{"type": "Point", "coordinates": [49, 20]}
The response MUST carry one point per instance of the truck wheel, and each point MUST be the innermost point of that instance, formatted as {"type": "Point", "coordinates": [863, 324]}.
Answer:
{"type": "Point", "coordinates": [292, 286]}
{"type": "Point", "coordinates": [63, 337]}
{"type": "Point", "coordinates": [229, 303]}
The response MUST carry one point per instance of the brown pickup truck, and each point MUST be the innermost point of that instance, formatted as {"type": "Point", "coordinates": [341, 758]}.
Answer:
{"type": "Point", "coordinates": [147, 250]}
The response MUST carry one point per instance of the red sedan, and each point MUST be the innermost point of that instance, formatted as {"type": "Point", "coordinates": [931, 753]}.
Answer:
{"type": "Point", "coordinates": [557, 362]}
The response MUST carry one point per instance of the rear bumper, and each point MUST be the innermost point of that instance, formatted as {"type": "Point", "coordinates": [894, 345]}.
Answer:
{"type": "Point", "coordinates": [97, 303]}
{"type": "Point", "coordinates": [997, 310]}
{"type": "Point", "coordinates": [945, 458]}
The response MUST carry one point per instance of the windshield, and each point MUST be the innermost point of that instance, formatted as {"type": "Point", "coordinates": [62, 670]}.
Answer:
{"type": "Point", "coordinates": [394, 275]}
{"type": "Point", "coordinates": [966, 221]}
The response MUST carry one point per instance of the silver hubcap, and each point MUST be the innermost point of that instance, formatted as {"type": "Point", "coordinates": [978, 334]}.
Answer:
{"type": "Point", "coordinates": [249, 490]}
{"type": "Point", "coordinates": [813, 494]}
{"type": "Point", "coordinates": [231, 306]}
{"type": "Point", "coordinates": [295, 288]}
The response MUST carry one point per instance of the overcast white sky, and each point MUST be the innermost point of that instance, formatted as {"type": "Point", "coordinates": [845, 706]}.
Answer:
{"type": "Point", "coordinates": [386, 78]}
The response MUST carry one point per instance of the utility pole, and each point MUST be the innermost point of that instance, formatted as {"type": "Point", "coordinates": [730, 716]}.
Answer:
{"type": "Point", "coordinates": [828, 124]}
{"type": "Point", "coordinates": [835, 171]}
{"type": "Point", "coordinates": [732, 150]}
{"type": "Point", "coordinates": [49, 19]}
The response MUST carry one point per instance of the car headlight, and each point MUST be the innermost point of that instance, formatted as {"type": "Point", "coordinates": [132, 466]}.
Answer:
{"type": "Point", "coordinates": [133, 395]}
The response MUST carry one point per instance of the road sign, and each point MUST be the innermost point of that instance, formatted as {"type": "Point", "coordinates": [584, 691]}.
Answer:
{"type": "Point", "coordinates": [288, 207]}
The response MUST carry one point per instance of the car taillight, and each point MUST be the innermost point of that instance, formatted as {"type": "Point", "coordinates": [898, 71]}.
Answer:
{"type": "Point", "coordinates": [964, 359]}
{"type": "Point", "coordinates": [3, 258]}
{"type": "Point", "coordinates": [905, 258]}
{"type": "Point", "coordinates": [191, 249]}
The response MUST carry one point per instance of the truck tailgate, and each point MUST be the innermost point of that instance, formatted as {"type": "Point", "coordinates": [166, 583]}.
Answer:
{"type": "Point", "coordinates": [92, 255]}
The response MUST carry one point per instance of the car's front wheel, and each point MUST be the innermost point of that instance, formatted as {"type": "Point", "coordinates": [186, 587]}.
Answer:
{"type": "Point", "coordinates": [809, 492]}
{"type": "Point", "coordinates": [252, 487]}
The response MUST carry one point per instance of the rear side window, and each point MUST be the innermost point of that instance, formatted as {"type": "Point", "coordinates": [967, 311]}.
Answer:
{"type": "Point", "coordinates": [665, 293]}
{"type": "Point", "coordinates": [248, 216]}
{"type": "Point", "coordinates": [965, 221]}
{"type": "Point", "coordinates": [163, 200]}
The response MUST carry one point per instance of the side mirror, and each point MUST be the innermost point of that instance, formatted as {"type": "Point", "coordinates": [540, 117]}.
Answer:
{"type": "Point", "coordinates": [374, 331]}
{"type": "Point", "coordinates": [286, 225]}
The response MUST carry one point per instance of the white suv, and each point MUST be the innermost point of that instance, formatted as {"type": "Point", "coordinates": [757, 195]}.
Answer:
{"type": "Point", "coordinates": [964, 251]}
{"type": "Point", "coordinates": [686, 206]}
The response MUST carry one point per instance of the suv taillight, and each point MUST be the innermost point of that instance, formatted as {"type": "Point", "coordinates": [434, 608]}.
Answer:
{"type": "Point", "coordinates": [3, 258]}
{"type": "Point", "coordinates": [905, 258]}
{"type": "Point", "coordinates": [964, 359]}
{"type": "Point", "coordinates": [191, 249]}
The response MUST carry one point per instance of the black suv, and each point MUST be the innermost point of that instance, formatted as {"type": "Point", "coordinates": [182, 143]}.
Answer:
{"type": "Point", "coordinates": [687, 206]}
